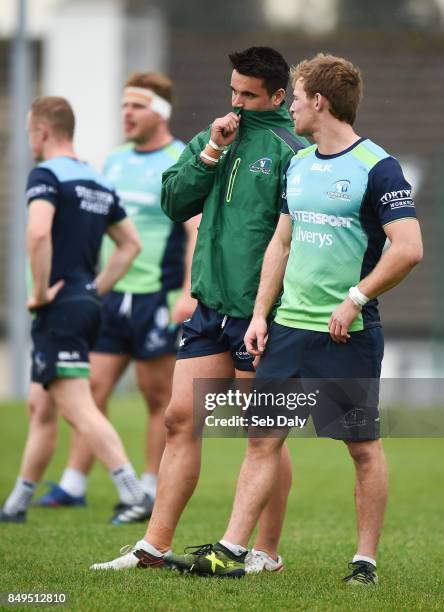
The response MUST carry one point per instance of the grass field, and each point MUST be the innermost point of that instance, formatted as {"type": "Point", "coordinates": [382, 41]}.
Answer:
{"type": "Point", "coordinates": [52, 552]}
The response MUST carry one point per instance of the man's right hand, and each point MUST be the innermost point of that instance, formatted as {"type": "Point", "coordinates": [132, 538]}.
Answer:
{"type": "Point", "coordinates": [46, 297]}
{"type": "Point", "coordinates": [257, 335]}
{"type": "Point", "coordinates": [224, 129]}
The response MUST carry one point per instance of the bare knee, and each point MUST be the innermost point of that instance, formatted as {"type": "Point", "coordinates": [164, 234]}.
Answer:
{"type": "Point", "coordinates": [156, 397]}
{"type": "Point", "coordinates": [41, 410]}
{"type": "Point", "coordinates": [364, 453]}
{"type": "Point", "coordinates": [262, 447]}
{"type": "Point", "coordinates": [178, 420]}
{"type": "Point", "coordinates": [73, 398]}
{"type": "Point", "coordinates": [101, 390]}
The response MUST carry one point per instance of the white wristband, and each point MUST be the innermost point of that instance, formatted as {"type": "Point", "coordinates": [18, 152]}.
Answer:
{"type": "Point", "coordinates": [215, 160]}
{"type": "Point", "coordinates": [216, 147]}
{"type": "Point", "coordinates": [357, 297]}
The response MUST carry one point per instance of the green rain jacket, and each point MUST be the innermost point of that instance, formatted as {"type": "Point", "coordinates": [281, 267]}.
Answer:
{"type": "Point", "coordinates": [240, 199]}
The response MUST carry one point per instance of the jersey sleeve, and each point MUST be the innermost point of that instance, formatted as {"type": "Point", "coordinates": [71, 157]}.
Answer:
{"type": "Point", "coordinates": [284, 203]}
{"type": "Point", "coordinates": [117, 211]}
{"type": "Point", "coordinates": [187, 183]}
{"type": "Point", "coordinates": [42, 185]}
{"type": "Point", "coordinates": [389, 192]}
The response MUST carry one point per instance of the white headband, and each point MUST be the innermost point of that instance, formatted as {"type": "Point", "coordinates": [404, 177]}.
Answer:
{"type": "Point", "coordinates": [157, 104]}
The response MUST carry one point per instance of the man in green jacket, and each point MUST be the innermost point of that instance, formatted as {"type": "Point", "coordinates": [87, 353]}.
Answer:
{"type": "Point", "coordinates": [232, 173]}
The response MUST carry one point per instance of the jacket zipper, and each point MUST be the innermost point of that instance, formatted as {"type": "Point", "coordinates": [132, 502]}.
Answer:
{"type": "Point", "coordinates": [232, 154]}
{"type": "Point", "coordinates": [232, 179]}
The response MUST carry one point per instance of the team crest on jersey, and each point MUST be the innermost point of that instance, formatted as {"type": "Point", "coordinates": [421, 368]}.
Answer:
{"type": "Point", "coordinates": [262, 165]}
{"type": "Point", "coordinates": [340, 190]}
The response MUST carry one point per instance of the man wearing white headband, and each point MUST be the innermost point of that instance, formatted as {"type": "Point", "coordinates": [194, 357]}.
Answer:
{"type": "Point", "coordinates": [147, 98]}
{"type": "Point", "coordinates": [144, 311]}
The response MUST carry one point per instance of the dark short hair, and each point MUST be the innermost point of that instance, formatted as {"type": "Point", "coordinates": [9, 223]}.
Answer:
{"type": "Point", "coordinates": [57, 113]}
{"type": "Point", "coordinates": [335, 78]}
{"type": "Point", "coordinates": [262, 63]}
{"type": "Point", "coordinates": [159, 83]}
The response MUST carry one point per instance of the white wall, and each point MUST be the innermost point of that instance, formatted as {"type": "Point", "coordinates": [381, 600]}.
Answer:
{"type": "Point", "coordinates": [83, 61]}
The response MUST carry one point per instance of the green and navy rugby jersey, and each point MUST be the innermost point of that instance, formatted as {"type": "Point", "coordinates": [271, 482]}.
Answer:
{"type": "Point", "coordinates": [339, 205]}
{"type": "Point", "coordinates": [85, 205]}
{"type": "Point", "coordinates": [137, 177]}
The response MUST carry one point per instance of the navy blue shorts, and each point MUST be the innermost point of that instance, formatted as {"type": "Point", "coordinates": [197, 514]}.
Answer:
{"type": "Point", "coordinates": [209, 333]}
{"type": "Point", "coordinates": [347, 408]}
{"type": "Point", "coordinates": [138, 325]}
{"type": "Point", "coordinates": [62, 334]}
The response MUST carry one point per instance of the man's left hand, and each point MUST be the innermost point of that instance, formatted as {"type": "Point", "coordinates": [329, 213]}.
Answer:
{"type": "Point", "coordinates": [341, 319]}
{"type": "Point", "coordinates": [35, 302]}
{"type": "Point", "coordinates": [183, 309]}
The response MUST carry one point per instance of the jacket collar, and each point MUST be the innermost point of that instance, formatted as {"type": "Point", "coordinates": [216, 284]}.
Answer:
{"type": "Point", "coordinates": [252, 119]}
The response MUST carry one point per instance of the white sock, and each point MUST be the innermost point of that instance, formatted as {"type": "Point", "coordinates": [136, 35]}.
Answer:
{"type": "Point", "coordinates": [262, 552]}
{"type": "Point", "coordinates": [146, 546]}
{"type": "Point", "coordinates": [73, 482]}
{"type": "Point", "coordinates": [364, 558]}
{"type": "Point", "coordinates": [20, 496]}
{"type": "Point", "coordinates": [128, 486]}
{"type": "Point", "coordinates": [149, 484]}
{"type": "Point", "coordinates": [236, 549]}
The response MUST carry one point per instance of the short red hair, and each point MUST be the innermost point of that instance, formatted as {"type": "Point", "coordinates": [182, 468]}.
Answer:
{"type": "Point", "coordinates": [336, 79]}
